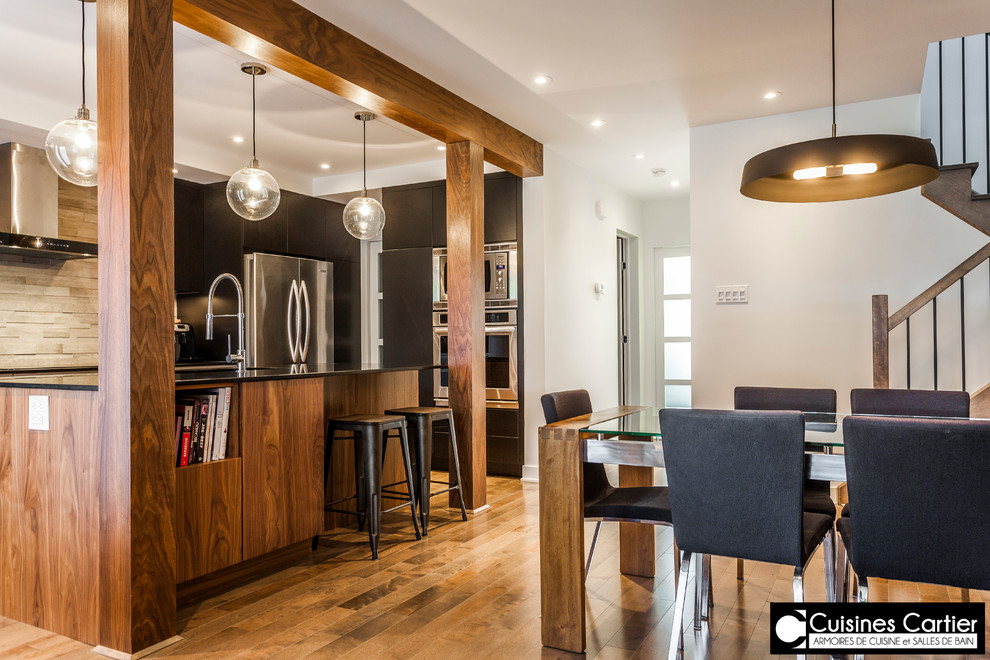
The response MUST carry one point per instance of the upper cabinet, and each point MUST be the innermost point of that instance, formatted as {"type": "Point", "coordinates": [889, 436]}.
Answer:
{"type": "Point", "coordinates": [408, 217]}
{"type": "Point", "coordinates": [270, 234]}
{"type": "Point", "coordinates": [502, 206]}
{"type": "Point", "coordinates": [188, 237]}
{"type": "Point", "coordinates": [306, 233]}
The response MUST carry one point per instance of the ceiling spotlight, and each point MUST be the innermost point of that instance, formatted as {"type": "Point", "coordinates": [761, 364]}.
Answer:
{"type": "Point", "coordinates": [597, 123]}
{"type": "Point", "coordinates": [324, 166]}
{"type": "Point", "coordinates": [772, 94]}
{"type": "Point", "coordinates": [639, 156]}
{"type": "Point", "coordinates": [238, 139]}
{"type": "Point", "coordinates": [658, 172]}
{"type": "Point", "coordinates": [675, 183]}
{"type": "Point", "coordinates": [442, 147]}
{"type": "Point", "coordinates": [542, 79]}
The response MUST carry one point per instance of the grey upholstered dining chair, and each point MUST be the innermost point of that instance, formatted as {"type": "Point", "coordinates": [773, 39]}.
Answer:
{"type": "Point", "coordinates": [917, 403]}
{"type": "Point", "coordinates": [817, 494]}
{"type": "Point", "coordinates": [921, 513]}
{"type": "Point", "coordinates": [760, 517]}
{"type": "Point", "coordinates": [602, 500]}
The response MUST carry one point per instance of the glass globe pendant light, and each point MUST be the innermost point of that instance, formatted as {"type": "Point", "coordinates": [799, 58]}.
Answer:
{"type": "Point", "coordinates": [364, 216]}
{"type": "Point", "coordinates": [252, 192]}
{"type": "Point", "coordinates": [71, 144]}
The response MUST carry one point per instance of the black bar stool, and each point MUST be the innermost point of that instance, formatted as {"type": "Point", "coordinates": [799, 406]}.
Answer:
{"type": "Point", "coordinates": [370, 438]}
{"type": "Point", "coordinates": [421, 420]}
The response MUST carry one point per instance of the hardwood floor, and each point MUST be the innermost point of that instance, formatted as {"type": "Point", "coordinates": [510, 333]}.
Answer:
{"type": "Point", "coordinates": [467, 590]}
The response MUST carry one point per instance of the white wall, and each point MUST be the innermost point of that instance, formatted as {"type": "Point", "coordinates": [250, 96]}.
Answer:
{"type": "Point", "coordinates": [566, 249]}
{"type": "Point", "coordinates": [666, 224]}
{"type": "Point", "coordinates": [811, 268]}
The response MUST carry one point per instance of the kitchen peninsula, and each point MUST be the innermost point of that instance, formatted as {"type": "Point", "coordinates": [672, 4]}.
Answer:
{"type": "Point", "coordinates": [260, 506]}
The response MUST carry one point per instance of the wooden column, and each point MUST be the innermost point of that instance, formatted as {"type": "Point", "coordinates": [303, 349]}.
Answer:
{"type": "Point", "coordinates": [881, 351]}
{"type": "Point", "coordinates": [136, 396]}
{"type": "Point", "coordinates": [466, 313]}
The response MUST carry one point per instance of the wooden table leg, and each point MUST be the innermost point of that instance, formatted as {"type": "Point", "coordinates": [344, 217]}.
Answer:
{"type": "Point", "coordinates": [562, 591]}
{"type": "Point", "coordinates": [637, 548]}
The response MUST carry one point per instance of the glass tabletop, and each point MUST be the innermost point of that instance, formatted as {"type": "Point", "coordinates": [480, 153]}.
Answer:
{"type": "Point", "coordinates": [821, 429]}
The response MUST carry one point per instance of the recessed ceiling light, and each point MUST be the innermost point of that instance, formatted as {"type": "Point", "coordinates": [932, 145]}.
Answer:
{"type": "Point", "coordinates": [639, 156]}
{"type": "Point", "coordinates": [442, 147]}
{"type": "Point", "coordinates": [238, 139]}
{"type": "Point", "coordinates": [597, 123]}
{"type": "Point", "coordinates": [675, 183]}
{"type": "Point", "coordinates": [542, 79]}
{"type": "Point", "coordinates": [324, 166]}
{"type": "Point", "coordinates": [175, 171]}
{"type": "Point", "coordinates": [772, 94]}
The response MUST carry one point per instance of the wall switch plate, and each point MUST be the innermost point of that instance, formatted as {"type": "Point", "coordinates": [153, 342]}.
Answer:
{"type": "Point", "coordinates": [37, 413]}
{"type": "Point", "coordinates": [732, 294]}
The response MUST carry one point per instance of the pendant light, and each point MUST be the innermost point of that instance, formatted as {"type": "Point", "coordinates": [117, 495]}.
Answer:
{"type": "Point", "coordinates": [839, 168]}
{"type": "Point", "coordinates": [364, 216]}
{"type": "Point", "coordinates": [71, 144]}
{"type": "Point", "coordinates": [252, 192]}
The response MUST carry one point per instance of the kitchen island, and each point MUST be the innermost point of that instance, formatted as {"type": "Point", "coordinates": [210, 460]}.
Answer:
{"type": "Point", "coordinates": [253, 511]}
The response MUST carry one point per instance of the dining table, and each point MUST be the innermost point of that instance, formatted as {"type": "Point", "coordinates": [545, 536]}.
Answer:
{"type": "Point", "coordinates": [629, 437]}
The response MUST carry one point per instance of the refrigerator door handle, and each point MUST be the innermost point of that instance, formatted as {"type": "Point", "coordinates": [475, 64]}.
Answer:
{"type": "Point", "coordinates": [305, 342]}
{"type": "Point", "coordinates": [293, 341]}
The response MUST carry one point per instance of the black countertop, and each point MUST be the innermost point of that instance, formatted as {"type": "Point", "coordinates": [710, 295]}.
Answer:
{"type": "Point", "coordinates": [78, 379]}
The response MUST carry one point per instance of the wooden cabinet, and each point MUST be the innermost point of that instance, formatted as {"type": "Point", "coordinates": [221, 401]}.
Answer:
{"type": "Point", "coordinates": [189, 247]}
{"type": "Point", "coordinates": [282, 456]}
{"type": "Point", "coordinates": [208, 518]}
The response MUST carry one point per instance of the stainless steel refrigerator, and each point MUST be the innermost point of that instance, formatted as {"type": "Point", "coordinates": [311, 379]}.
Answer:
{"type": "Point", "coordinates": [289, 309]}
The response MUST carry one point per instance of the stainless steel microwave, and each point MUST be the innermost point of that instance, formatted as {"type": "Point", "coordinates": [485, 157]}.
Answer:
{"type": "Point", "coordinates": [500, 264]}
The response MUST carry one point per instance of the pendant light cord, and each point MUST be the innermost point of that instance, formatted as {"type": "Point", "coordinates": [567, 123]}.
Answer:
{"type": "Point", "coordinates": [364, 167]}
{"type": "Point", "coordinates": [254, 115]}
{"type": "Point", "coordinates": [833, 68]}
{"type": "Point", "coordinates": [83, 51]}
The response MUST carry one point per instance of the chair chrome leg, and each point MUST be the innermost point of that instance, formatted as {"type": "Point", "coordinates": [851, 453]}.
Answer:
{"type": "Point", "coordinates": [739, 569]}
{"type": "Point", "coordinates": [677, 630]}
{"type": "Point", "coordinates": [831, 585]}
{"type": "Point", "coordinates": [798, 584]}
{"type": "Point", "coordinates": [711, 591]}
{"type": "Point", "coordinates": [842, 572]}
{"type": "Point", "coordinates": [591, 553]}
{"type": "Point", "coordinates": [700, 590]}
{"type": "Point", "coordinates": [677, 565]}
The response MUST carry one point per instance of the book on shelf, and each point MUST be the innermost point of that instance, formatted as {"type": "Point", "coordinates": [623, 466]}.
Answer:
{"type": "Point", "coordinates": [205, 417]}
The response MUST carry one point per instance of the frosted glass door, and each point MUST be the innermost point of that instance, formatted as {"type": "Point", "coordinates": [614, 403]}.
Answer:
{"type": "Point", "coordinates": [672, 268]}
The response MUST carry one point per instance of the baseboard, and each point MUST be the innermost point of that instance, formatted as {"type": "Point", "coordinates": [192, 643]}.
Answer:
{"type": "Point", "coordinates": [531, 473]}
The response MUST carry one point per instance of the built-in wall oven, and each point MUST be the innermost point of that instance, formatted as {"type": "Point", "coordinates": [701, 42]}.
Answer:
{"type": "Point", "coordinates": [500, 275]}
{"type": "Point", "coordinates": [501, 374]}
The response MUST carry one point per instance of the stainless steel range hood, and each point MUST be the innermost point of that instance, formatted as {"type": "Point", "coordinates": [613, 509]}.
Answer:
{"type": "Point", "coordinates": [29, 207]}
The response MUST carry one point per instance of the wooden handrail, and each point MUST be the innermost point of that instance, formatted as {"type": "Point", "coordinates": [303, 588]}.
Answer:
{"type": "Point", "coordinates": [931, 292]}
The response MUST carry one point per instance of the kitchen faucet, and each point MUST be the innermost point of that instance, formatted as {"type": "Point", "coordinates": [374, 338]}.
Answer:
{"type": "Point", "coordinates": [239, 356]}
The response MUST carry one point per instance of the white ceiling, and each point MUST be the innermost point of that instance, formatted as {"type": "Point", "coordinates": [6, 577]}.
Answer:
{"type": "Point", "coordinates": [650, 68]}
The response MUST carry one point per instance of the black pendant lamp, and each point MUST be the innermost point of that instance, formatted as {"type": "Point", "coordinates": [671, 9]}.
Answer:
{"type": "Point", "coordinates": [838, 168]}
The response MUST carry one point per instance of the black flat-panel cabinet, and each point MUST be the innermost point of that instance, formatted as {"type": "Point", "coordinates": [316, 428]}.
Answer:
{"type": "Point", "coordinates": [306, 219]}
{"type": "Point", "coordinates": [341, 246]}
{"type": "Point", "coordinates": [270, 234]}
{"type": "Point", "coordinates": [407, 301]}
{"type": "Point", "coordinates": [408, 217]}
{"type": "Point", "coordinates": [188, 242]}
{"type": "Point", "coordinates": [503, 199]}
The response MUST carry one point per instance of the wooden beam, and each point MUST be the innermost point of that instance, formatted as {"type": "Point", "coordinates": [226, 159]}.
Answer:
{"type": "Point", "coordinates": [466, 313]}
{"type": "Point", "coordinates": [881, 339]}
{"type": "Point", "coordinates": [136, 395]}
{"type": "Point", "coordinates": [299, 42]}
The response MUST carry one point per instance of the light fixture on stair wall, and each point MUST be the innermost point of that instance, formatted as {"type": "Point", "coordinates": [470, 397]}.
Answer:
{"type": "Point", "coordinates": [838, 168]}
{"type": "Point", "coordinates": [364, 216]}
{"type": "Point", "coordinates": [71, 144]}
{"type": "Point", "coordinates": [252, 192]}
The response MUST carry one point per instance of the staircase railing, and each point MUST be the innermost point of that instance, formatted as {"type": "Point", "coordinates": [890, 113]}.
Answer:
{"type": "Point", "coordinates": [883, 323]}
{"type": "Point", "coordinates": [955, 103]}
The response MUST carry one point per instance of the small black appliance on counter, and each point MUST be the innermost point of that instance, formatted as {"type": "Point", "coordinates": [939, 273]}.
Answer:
{"type": "Point", "coordinates": [185, 343]}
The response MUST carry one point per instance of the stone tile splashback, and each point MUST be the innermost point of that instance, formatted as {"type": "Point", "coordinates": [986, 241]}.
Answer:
{"type": "Point", "coordinates": [48, 307]}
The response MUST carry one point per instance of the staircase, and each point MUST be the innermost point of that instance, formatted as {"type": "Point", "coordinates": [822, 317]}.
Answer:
{"type": "Point", "coordinates": [955, 115]}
